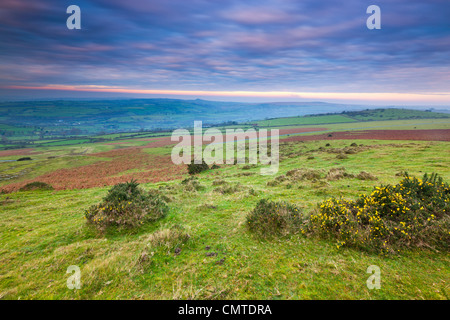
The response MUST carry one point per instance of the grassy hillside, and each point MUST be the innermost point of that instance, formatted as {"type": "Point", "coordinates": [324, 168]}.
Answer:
{"type": "Point", "coordinates": [394, 114]}
{"type": "Point", "coordinates": [355, 116]}
{"type": "Point", "coordinates": [44, 232]}
{"type": "Point", "coordinates": [301, 121]}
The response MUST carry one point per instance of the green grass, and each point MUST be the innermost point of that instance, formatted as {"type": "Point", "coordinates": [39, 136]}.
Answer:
{"type": "Point", "coordinates": [395, 114]}
{"type": "Point", "coordinates": [416, 124]}
{"type": "Point", "coordinates": [358, 116]}
{"type": "Point", "coordinates": [309, 120]}
{"type": "Point", "coordinates": [64, 142]}
{"type": "Point", "coordinates": [42, 233]}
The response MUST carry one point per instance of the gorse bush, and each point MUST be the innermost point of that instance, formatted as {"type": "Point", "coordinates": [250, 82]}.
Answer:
{"type": "Point", "coordinates": [126, 204]}
{"type": "Point", "coordinates": [124, 192]}
{"type": "Point", "coordinates": [270, 218]}
{"type": "Point", "coordinates": [413, 213]}
{"type": "Point", "coordinates": [194, 168]}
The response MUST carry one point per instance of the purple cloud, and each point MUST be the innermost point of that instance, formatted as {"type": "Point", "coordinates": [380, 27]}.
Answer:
{"type": "Point", "coordinates": [228, 45]}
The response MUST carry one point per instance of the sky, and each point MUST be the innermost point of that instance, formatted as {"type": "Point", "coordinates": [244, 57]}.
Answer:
{"type": "Point", "coordinates": [264, 50]}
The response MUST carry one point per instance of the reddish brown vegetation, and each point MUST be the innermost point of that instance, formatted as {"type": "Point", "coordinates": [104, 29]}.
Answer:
{"type": "Point", "coordinates": [17, 152]}
{"type": "Point", "coordinates": [422, 135]}
{"type": "Point", "coordinates": [153, 168]}
{"type": "Point", "coordinates": [150, 168]}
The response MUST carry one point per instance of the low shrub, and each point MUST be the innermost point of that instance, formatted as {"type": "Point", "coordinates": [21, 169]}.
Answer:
{"type": "Point", "coordinates": [281, 178]}
{"type": "Point", "coordinates": [270, 218]}
{"type": "Point", "coordinates": [126, 204]}
{"type": "Point", "coordinates": [413, 213]}
{"type": "Point", "coordinates": [272, 183]}
{"type": "Point", "coordinates": [195, 168]}
{"type": "Point", "coordinates": [337, 174]}
{"type": "Point", "coordinates": [218, 182]}
{"type": "Point", "coordinates": [349, 151]}
{"type": "Point", "coordinates": [36, 185]}
{"type": "Point", "coordinates": [244, 174]}
{"type": "Point", "coordinates": [229, 189]}
{"type": "Point", "coordinates": [191, 184]}
{"type": "Point", "coordinates": [123, 192]}
{"type": "Point", "coordinates": [164, 241]}
{"type": "Point", "coordinates": [304, 174]}
{"type": "Point", "coordinates": [169, 238]}
{"type": "Point", "coordinates": [363, 175]}
{"type": "Point", "coordinates": [252, 192]}
{"type": "Point", "coordinates": [341, 156]}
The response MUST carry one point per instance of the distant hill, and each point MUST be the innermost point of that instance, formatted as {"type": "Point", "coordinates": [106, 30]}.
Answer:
{"type": "Point", "coordinates": [379, 114]}
{"type": "Point", "coordinates": [25, 120]}
{"type": "Point", "coordinates": [89, 117]}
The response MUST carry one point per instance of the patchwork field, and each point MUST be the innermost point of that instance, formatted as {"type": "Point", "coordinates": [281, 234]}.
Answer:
{"type": "Point", "coordinates": [203, 248]}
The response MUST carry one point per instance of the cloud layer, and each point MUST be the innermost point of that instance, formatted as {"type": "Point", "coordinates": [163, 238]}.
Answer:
{"type": "Point", "coordinates": [264, 45]}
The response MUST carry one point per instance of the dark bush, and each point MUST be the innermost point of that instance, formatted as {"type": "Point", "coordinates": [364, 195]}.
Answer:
{"type": "Point", "coordinates": [126, 204]}
{"type": "Point", "coordinates": [195, 168]}
{"type": "Point", "coordinates": [36, 185]}
{"type": "Point", "coordinates": [124, 192]}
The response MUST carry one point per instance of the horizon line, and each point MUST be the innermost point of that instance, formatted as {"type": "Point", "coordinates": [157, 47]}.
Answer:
{"type": "Point", "coordinates": [436, 97]}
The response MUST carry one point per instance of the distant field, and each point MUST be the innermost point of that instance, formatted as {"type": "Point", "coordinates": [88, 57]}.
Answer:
{"type": "Point", "coordinates": [300, 121]}
{"type": "Point", "coordinates": [31, 124]}
{"type": "Point", "coordinates": [395, 114]}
